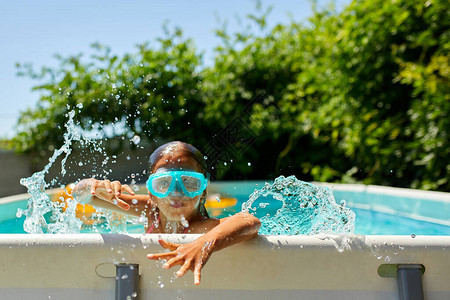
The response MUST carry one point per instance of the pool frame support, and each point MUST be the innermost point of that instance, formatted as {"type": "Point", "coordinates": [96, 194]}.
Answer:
{"type": "Point", "coordinates": [409, 279]}
{"type": "Point", "coordinates": [127, 281]}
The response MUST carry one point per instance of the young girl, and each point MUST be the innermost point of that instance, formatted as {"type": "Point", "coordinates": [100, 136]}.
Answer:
{"type": "Point", "coordinates": [175, 204]}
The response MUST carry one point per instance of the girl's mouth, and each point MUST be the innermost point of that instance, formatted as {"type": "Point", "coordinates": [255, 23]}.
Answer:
{"type": "Point", "coordinates": [176, 204]}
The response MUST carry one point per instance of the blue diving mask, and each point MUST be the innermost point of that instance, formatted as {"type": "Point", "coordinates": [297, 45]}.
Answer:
{"type": "Point", "coordinates": [191, 183]}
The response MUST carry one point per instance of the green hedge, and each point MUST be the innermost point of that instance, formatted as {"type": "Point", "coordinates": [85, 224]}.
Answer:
{"type": "Point", "coordinates": [360, 95]}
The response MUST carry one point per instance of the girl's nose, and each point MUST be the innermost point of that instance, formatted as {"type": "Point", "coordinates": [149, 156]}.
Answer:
{"type": "Point", "coordinates": [177, 191]}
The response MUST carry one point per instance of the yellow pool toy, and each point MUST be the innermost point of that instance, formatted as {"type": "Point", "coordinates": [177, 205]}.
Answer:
{"type": "Point", "coordinates": [215, 204]}
{"type": "Point", "coordinates": [83, 212]}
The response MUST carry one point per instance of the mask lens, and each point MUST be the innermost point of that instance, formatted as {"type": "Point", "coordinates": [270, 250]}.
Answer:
{"type": "Point", "coordinates": [191, 184]}
{"type": "Point", "coordinates": [161, 184]}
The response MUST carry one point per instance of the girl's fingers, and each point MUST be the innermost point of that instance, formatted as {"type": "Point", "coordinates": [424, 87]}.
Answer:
{"type": "Point", "coordinates": [176, 258]}
{"type": "Point", "coordinates": [128, 189]}
{"type": "Point", "coordinates": [184, 268]}
{"type": "Point", "coordinates": [94, 186]}
{"type": "Point", "coordinates": [197, 273]}
{"type": "Point", "coordinates": [158, 256]}
{"type": "Point", "coordinates": [116, 187]}
{"type": "Point", "coordinates": [173, 262]}
{"type": "Point", "coordinates": [168, 245]}
{"type": "Point", "coordinates": [107, 184]}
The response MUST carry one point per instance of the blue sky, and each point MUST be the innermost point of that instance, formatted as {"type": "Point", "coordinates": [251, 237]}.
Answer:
{"type": "Point", "coordinates": [33, 31]}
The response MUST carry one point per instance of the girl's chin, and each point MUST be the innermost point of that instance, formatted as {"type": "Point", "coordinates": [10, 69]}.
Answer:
{"type": "Point", "coordinates": [178, 210]}
{"type": "Point", "coordinates": [177, 214]}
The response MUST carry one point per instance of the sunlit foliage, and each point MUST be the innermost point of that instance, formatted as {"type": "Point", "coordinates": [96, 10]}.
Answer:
{"type": "Point", "coordinates": [360, 95]}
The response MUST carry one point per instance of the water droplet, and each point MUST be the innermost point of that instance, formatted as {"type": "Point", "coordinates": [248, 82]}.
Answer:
{"type": "Point", "coordinates": [249, 164]}
{"type": "Point", "coordinates": [184, 222]}
{"type": "Point", "coordinates": [80, 105]}
{"type": "Point", "coordinates": [134, 201]}
{"type": "Point", "coordinates": [136, 139]}
{"type": "Point", "coordinates": [80, 164]}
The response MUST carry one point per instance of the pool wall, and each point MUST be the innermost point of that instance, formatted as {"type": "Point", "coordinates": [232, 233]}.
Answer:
{"type": "Point", "coordinates": [311, 267]}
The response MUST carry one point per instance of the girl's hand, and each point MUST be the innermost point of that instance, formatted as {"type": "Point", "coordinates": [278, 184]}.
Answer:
{"type": "Point", "coordinates": [192, 256]}
{"type": "Point", "coordinates": [105, 190]}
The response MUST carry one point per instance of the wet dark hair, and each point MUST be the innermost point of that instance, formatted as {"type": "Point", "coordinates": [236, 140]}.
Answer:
{"type": "Point", "coordinates": [178, 147]}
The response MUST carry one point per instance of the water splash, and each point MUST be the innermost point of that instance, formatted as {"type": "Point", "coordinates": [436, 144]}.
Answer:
{"type": "Point", "coordinates": [305, 209]}
{"type": "Point", "coordinates": [45, 216]}
{"type": "Point", "coordinates": [40, 208]}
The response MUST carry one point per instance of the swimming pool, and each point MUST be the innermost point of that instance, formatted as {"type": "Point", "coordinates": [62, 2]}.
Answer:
{"type": "Point", "coordinates": [311, 267]}
{"type": "Point", "coordinates": [377, 212]}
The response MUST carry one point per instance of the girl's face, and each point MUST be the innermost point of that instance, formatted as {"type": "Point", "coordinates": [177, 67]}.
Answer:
{"type": "Point", "coordinates": [177, 205]}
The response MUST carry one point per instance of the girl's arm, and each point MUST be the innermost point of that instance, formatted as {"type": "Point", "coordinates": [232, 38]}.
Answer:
{"type": "Point", "coordinates": [193, 256]}
{"type": "Point", "coordinates": [108, 195]}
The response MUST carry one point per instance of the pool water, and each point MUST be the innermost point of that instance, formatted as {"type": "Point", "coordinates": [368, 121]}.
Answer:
{"type": "Point", "coordinates": [368, 221]}
{"type": "Point", "coordinates": [376, 223]}
{"type": "Point", "coordinates": [12, 226]}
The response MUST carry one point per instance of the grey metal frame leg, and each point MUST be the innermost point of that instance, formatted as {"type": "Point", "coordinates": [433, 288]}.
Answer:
{"type": "Point", "coordinates": [409, 278]}
{"type": "Point", "coordinates": [127, 281]}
